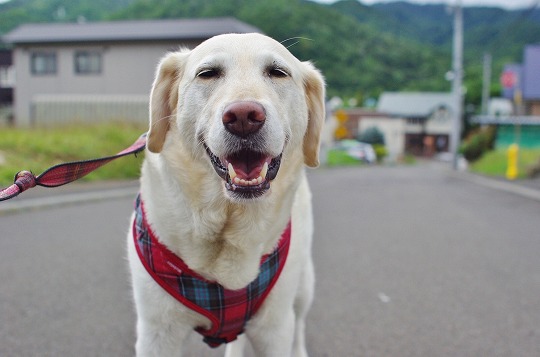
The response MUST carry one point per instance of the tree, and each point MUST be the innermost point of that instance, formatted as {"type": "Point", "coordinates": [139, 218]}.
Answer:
{"type": "Point", "coordinates": [372, 136]}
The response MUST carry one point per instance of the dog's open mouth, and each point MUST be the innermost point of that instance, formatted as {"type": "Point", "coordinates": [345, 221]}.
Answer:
{"type": "Point", "coordinates": [247, 173]}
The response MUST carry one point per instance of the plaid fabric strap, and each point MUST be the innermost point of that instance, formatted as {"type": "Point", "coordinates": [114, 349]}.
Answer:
{"type": "Point", "coordinates": [228, 310]}
{"type": "Point", "coordinates": [65, 173]}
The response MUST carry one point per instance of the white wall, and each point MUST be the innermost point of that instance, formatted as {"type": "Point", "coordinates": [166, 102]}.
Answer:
{"type": "Point", "coordinates": [439, 123]}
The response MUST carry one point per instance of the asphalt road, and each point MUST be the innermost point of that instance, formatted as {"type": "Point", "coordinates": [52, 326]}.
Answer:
{"type": "Point", "coordinates": [410, 261]}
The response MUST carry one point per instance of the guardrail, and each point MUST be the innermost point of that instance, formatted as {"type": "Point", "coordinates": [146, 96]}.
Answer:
{"type": "Point", "coordinates": [508, 120]}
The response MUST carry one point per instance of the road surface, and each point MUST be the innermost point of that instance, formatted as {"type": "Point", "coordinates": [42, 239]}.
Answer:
{"type": "Point", "coordinates": [410, 261]}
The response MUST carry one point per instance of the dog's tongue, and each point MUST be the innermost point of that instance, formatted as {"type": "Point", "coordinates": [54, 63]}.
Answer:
{"type": "Point", "coordinates": [248, 168]}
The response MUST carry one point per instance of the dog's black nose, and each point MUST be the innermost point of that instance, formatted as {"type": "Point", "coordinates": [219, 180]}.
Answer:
{"type": "Point", "coordinates": [244, 118]}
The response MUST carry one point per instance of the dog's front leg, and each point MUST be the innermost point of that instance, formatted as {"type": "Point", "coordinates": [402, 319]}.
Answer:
{"type": "Point", "coordinates": [236, 348]}
{"type": "Point", "coordinates": [159, 341]}
{"type": "Point", "coordinates": [274, 337]}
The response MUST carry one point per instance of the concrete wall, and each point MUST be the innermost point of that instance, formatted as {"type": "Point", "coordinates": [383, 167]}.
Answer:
{"type": "Point", "coordinates": [127, 69]}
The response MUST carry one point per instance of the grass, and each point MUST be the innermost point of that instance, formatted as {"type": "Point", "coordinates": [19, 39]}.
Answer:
{"type": "Point", "coordinates": [341, 158]}
{"type": "Point", "coordinates": [37, 149]}
{"type": "Point", "coordinates": [494, 163]}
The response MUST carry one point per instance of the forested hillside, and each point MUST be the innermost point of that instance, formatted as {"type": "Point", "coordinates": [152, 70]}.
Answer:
{"type": "Point", "coordinates": [487, 29]}
{"type": "Point", "coordinates": [362, 50]}
{"type": "Point", "coordinates": [16, 12]}
{"type": "Point", "coordinates": [356, 59]}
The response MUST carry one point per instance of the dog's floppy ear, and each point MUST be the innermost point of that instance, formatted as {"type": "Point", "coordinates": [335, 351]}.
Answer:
{"type": "Point", "coordinates": [315, 96]}
{"type": "Point", "coordinates": [164, 98]}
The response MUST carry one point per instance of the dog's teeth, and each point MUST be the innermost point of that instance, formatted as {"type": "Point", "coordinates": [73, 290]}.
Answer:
{"type": "Point", "coordinates": [232, 173]}
{"type": "Point", "coordinates": [243, 182]}
{"type": "Point", "coordinates": [264, 170]}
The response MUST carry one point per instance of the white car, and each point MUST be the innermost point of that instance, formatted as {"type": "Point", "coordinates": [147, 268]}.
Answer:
{"type": "Point", "coordinates": [358, 150]}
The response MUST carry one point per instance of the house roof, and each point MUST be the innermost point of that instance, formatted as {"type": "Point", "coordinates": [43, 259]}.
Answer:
{"type": "Point", "coordinates": [150, 30]}
{"type": "Point", "coordinates": [414, 104]}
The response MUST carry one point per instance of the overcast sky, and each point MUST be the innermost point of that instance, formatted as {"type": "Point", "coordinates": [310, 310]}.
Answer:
{"type": "Point", "coordinates": [507, 4]}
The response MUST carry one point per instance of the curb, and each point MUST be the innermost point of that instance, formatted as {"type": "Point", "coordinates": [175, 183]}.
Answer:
{"type": "Point", "coordinates": [509, 187]}
{"type": "Point", "coordinates": [17, 206]}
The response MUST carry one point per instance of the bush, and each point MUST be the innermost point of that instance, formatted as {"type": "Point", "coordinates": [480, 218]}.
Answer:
{"type": "Point", "coordinates": [533, 170]}
{"type": "Point", "coordinates": [380, 151]}
{"type": "Point", "coordinates": [478, 143]}
{"type": "Point", "coordinates": [372, 136]}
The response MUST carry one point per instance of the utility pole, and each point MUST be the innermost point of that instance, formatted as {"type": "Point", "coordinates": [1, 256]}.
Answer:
{"type": "Point", "coordinates": [486, 83]}
{"type": "Point", "coordinates": [457, 83]}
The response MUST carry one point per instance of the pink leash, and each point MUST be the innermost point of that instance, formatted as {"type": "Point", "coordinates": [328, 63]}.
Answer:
{"type": "Point", "coordinates": [65, 173]}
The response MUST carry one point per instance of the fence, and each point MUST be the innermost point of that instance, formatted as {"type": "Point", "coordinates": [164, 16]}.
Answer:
{"type": "Point", "coordinates": [48, 110]}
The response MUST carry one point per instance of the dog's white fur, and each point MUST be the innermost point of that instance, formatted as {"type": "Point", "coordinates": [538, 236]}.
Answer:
{"type": "Point", "coordinates": [218, 235]}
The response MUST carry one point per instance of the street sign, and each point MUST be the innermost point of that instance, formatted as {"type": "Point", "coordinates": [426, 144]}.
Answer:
{"type": "Point", "coordinates": [341, 116]}
{"type": "Point", "coordinates": [341, 131]}
{"type": "Point", "coordinates": [509, 79]}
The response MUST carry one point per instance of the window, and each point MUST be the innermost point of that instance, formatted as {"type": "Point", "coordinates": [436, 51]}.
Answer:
{"type": "Point", "coordinates": [43, 63]}
{"type": "Point", "coordinates": [87, 62]}
{"type": "Point", "coordinates": [7, 77]}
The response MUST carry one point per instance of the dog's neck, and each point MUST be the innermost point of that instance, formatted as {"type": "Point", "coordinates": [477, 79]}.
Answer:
{"type": "Point", "coordinates": [216, 237]}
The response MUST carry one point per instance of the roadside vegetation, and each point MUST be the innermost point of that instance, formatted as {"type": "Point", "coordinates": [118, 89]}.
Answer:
{"type": "Point", "coordinates": [341, 158]}
{"type": "Point", "coordinates": [479, 150]}
{"type": "Point", "coordinates": [494, 163]}
{"type": "Point", "coordinates": [37, 149]}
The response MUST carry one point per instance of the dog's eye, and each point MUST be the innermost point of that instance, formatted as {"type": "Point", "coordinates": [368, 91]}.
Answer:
{"type": "Point", "coordinates": [277, 72]}
{"type": "Point", "coordinates": [208, 73]}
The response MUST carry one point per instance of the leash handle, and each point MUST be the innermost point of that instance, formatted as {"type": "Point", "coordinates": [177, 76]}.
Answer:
{"type": "Point", "coordinates": [62, 174]}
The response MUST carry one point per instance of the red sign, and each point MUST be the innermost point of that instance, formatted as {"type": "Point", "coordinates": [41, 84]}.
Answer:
{"type": "Point", "coordinates": [509, 79]}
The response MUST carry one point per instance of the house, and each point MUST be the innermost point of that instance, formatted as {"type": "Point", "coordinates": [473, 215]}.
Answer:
{"type": "Point", "coordinates": [424, 118]}
{"type": "Point", "coordinates": [521, 82]}
{"type": "Point", "coordinates": [418, 123]}
{"type": "Point", "coordinates": [98, 71]}
{"type": "Point", "coordinates": [7, 81]}
{"type": "Point", "coordinates": [521, 86]}
{"type": "Point", "coordinates": [393, 129]}
{"type": "Point", "coordinates": [355, 117]}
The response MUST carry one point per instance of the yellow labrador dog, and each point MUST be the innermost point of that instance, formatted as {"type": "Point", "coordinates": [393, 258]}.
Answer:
{"type": "Point", "coordinates": [221, 237]}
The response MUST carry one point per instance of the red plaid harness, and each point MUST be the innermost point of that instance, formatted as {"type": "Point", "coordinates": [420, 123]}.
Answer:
{"type": "Point", "coordinates": [228, 310]}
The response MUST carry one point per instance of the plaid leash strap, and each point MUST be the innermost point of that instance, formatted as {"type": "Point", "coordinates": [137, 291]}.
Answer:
{"type": "Point", "coordinates": [65, 173]}
{"type": "Point", "coordinates": [228, 310]}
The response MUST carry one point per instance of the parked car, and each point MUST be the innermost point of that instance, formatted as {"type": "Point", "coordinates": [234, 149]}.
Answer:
{"type": "Point", "coordinates": [357, 150]}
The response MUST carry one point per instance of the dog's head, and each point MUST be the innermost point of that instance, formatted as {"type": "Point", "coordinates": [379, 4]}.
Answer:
{"type": "Point", "coordinates": [245, 103]}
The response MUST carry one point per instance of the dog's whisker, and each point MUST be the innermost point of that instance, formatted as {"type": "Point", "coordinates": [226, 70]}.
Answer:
{"type": "Point", "coordinates": [156, 122]}
{"type": "Point", "coordinates": [292, 44]}
{"type": "Point", "coordinates": [299, 38]}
